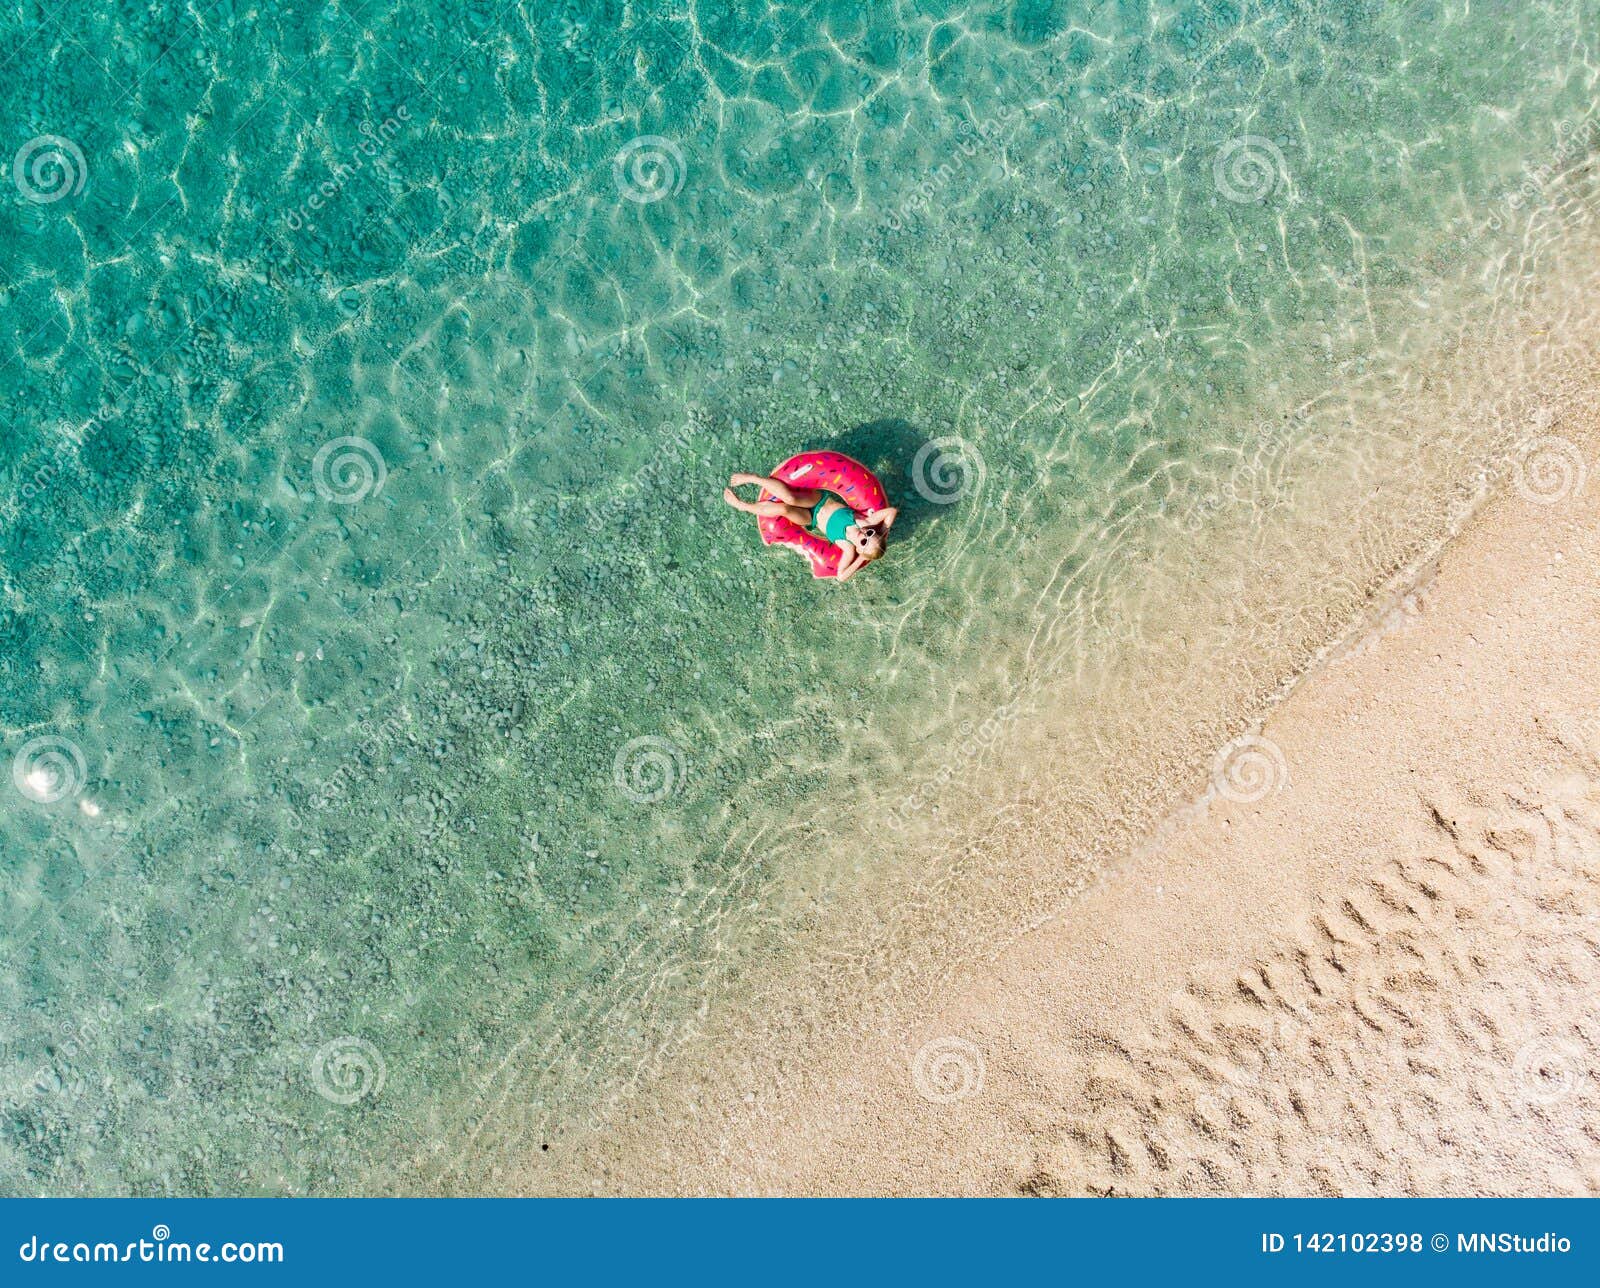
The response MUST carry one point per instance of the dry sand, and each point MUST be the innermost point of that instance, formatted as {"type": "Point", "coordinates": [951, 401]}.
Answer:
{"type": "Point", "coordinates": [1380, 977]}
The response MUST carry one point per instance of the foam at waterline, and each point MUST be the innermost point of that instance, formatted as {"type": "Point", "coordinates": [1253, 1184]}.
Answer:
{"type": "Point", "coordinates": [1007, 869]}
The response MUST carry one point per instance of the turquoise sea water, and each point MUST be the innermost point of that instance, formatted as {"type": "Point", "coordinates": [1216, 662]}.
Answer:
{"type": "Point", "coordinates": [403, 734]}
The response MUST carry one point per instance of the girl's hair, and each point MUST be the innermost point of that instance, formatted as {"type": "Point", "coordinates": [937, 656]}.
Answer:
{"type": "Point", "coordinates": [873, 530]}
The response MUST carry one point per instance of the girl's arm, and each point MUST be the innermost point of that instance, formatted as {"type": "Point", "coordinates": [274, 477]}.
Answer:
{"type": "Point", "coordinates": [849, 564]}
{"type": "Point", "coordinates": [886, 516]}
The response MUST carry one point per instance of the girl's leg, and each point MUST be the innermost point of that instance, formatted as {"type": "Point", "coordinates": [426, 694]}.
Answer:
{"type": "Point", "coordinates": [768, 509]}
{"type": "Point", "coordinates": [780, 490]}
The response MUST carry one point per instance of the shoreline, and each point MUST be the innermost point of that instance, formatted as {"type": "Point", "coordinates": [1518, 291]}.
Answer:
{"type": "Point", "coordinates": [1372, 980]}
{"type": "Point", "coordinates": [772, 1100]}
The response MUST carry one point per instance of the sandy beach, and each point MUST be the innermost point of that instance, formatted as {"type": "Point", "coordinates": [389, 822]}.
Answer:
{"type": "Point", "coordinates": [1365, 962]}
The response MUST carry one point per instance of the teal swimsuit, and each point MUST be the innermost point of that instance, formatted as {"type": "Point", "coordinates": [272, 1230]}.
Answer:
{"type": "Point", "coordinates": [837, 522]}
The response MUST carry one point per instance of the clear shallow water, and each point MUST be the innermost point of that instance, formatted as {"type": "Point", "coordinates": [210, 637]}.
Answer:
{"type": "Point", "coordinates": [428, 780]}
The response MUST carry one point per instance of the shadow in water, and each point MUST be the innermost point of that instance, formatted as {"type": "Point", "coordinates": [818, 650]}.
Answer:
{"type": "Point", "coordinates": [888, 448]}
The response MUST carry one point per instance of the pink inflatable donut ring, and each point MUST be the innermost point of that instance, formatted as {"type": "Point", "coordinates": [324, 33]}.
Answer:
{"type": "Point", "coordinates": [849, 480]}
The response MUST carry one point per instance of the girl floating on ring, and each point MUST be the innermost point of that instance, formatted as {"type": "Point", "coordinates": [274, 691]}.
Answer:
{"type": "Point", "coordinates": [826, 506]}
